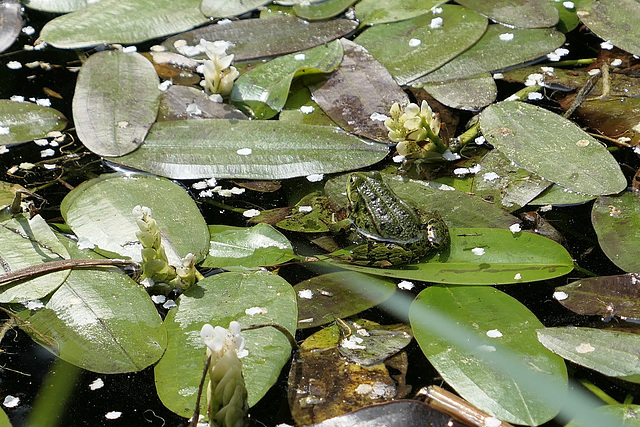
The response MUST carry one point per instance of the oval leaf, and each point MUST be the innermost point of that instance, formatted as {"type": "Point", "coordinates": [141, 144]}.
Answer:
{"type": "Point", "coordinates": [321, 10]}
{"type": "Point", "coordinates": [116, 102]}
{"type": "Point", "coordinates": [484, 256]}
{"type": "Point", "coordinates": [483, 326]}
{"type": "Point", "coordinates": [197, 149]}
{"type": "Point", "coordinates": [227, 8]}
{"type": "Point", "coordinates": [371, 12]}
{"type": "Point", "coordinates": [101, 321]}
{"type": "Point", "coordinates": [611, 353]}
{"type": "Point", "coordinates": [100, 211]}
{"type": "Point", "coordinates": [465, 94]}
{"type": "Point", "coordinates": [261, 245]}
{"type": "Point", "coordinates": [122, 21]}
{"type": "Point", "coordinates": [412, 48]}
{"type": "Point", "coordinates": [264, 90]}
{"type": "Point", "coordinates": [516, 13]}
{"type": "Point", "coordinates": [10, 23]}
{"type": "Point", "coordinates": [613, 20]}
{"type": "Point", "coordinates": [24, 121]}
{"type": "Point", "coordinates": [551, 146]}
{"type": "Point", "coordinates": [616, 220]}
{"type": "Point", "coordinates": [218, 300]}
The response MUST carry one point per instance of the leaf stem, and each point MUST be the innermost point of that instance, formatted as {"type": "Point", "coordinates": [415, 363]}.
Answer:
{"type": "Point", "coordinates": [598, 392]}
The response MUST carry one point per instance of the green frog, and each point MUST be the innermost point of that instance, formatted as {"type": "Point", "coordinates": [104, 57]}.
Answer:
{"type": "Point", "coordinates": [385, 229]}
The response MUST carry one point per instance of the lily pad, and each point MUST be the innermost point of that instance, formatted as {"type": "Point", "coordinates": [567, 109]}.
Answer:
{"type": "Point", "coordinates": [615, 21]}
{"type": "Point", "coordinates": [612, 353]}
{"type": "Point", "coordinates": [197, 149]}
{"type": "Point", "coordinates": [556, 195]}
{"type": "Point", "coordinates": [248, 298]}
{"type": "Point", "coordinates": [227, 8]}
{"type": "Point", "coordinates": [516, 13]}
{"type": "Point", "coordinates": [321, 10]}
{"type": "Point", "coordinates": [606, 296]}
{"type": "Point", "coordinates": [616, 220]}
{"type": "Point", "coordinates": [122, 21]}
{"type": "Point", "coordinates": [58, 6]}
{"type": "Point", "coordinates": [483, 256]}
{"type": "Point", "coordinates": [263, 90]}
{"type": "Point", "coordinates": [100, 211]}
{"type": "Point", "coordinates": [323, 299]}
{"type": "Point", "coordinates": [412, 48]}
{"type": "Point", "coordinates": [115, 102]}
{"type": "Point", "coordinates": [495, 336]}
{"type": "Point", "coordinates": [10, 23]}
{"type": "Point", "coordinates": [24, 121]}
{"type": "Point", "coordinates": [552, 147]}
{"type": "Point", "coordinates": [261, 245]}
{"type": "Point", "coordinates": [25, 242]}
{"type": "Point", "coordinates": [465, 94]}
{"type": "Point", "coordinates": [372, 12]}
{"type": "Point", "coordinates": [500, 47]}
{"type": "Point", "coordinates": [260, 38]}
{"type": "Point", "coordinates": [359, 94]}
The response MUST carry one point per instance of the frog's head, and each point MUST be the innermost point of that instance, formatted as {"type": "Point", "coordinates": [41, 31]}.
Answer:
{"type": "Point", "coordinates": [357, 182]}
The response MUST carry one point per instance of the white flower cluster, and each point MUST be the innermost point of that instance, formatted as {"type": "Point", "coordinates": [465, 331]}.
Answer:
{"type": "Point", "coordinates": [219, 75]}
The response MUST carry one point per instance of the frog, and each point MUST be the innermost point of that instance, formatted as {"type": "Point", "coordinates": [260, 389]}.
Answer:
{"type": "Point", "coordinates": [385, 230]}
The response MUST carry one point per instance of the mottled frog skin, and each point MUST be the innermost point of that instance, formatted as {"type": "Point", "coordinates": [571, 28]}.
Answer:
{"type": "Point", "coordinates": [386, 230]}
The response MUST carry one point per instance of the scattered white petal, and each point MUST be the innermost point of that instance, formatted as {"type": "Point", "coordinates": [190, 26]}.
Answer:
{"type": "Point", "coordinates": [534, 79]}
{"type": "Point", "coordinates": [568, 4]}
{"type": "Point", "coordinates": [547, 70]}
{"type": "Point", "coordinates": [461, 171]}
{"type": "Point", "coordinates": [624, 139]}
{"type": "Point", "coordinates": [494, 333]}
{"type": "Point", "coordinates": [305, 294]}
{"type": "Point", "coordinates": [490, 176]}
{"type": "Point", "coordinates": [505, 37]}
{"type": "Point", "coordinates": [244, 151]}
{"type": "Point", "coordinates": [212, 182]}
{"type": "Point", "coordinates": [224, 21]}
{"type": "Point", "coordinates": [307, 320]}
{"type": "Point", "coordinates": [216, 97]}
{"type": "Point", "coordinates": [606, 45]}
{"type": "Point", "coordinates": [300, 57]}
{"type": "Point", "coordinates": [518, 276]}
{"type": "Point", "coordinates": [560, 296]}
{"type": "Point", "coordinates": [477, 251]}
{"type": "Point", "coordinates": [582, 143]}
{"type": "Point", "coordinates": [449, 156]}
{"type": "Point", "coordinates": [33, 64]}
{"type": "Point", "coordinates": [4, 130]}
{"type": "Point", "coordinates": [200, 185]}
{"type": "Point", "coordinates": [415, 42]}
{"type": "Point", "coordinates": [250, 213]}
{"type": "Point", "coordinates": [352, 343]}
{"type": "Point", "coordinates": [305, 209]}
{"type": "Point", "coordinates": [29, 30]}
{"type": "Point", "coordinates": [436, 23]}
{"type": "Point", "coordinates": [96, 384]}
{"type": "Point", "coordinates": [437, 10]}
{"type": "Point", "coordinates": [12, 170]}
{"type": "Point", "coordinates": [33, 305]}
{"type": "Point", "coordinates": [41, 142]}
{"type": "Point", "coordinates": [158, 48]}
{"type": "Point", "coordinates": [400, 159]}
{"type": "Point", "coordinates": [129, 49]}
{"type": "Point", "coordinates": [546, 208]}
{"type": "Point", "coordinates": [534, 96]}
{"type": "Point", "coordinates": [11, 401]}
{"type": "Point", "coordinates": [377, 117]}
{"type": "Point", "coordinates": [113, 415]}
{"type": "Point", "coordinates": [475, 168]}
{"type": "Point", "coordinates": [491, 422]}
{"type": "Point", "coordinates": [14, 65]}
{"type": "Point", "coordinates": [585, 347]}
{"type": "Point", "coordinates": [406, 285]}
{"type": "Point", "coordinates": [480, 140]}
{"type": "Point", "coordinates": [169, 304]}
{"type": "Point", "coordinates": [27, 166]}
{"type": "Point", "coordinates": [165, 85]}
{"type": "Point", "coordinates": [252, 311]}
{"type": "Point", "coordinates": [315, 177]}
{"type": "Point", "coordinates": [43, 102]}
{"type": "Point", "coordinates": [17, 98]}
{"type": "Point", "coordinates": [49, 166]}
{"type": "Point", "coordinates": [47, 153]}
{"type": "Point", "coordinates": [3, 149]}
{"type": "Point", "coordinates": [593, 72]}
{"type": "Point", "coordinates": [84, 243]}
{"type": "Point", "coordinates": [515, 228]}
{"type": "Point", "coordinates": [158, 299]}
{"type": "Point", "coordinates": [498, 76]}
{"type": "Point", "coordinates": [616, 62]}
{"type": "Point", "coordinates": [307, 109]}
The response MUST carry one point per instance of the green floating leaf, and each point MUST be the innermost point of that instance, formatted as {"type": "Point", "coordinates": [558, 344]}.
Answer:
{"type": "Point", "coordinates": [122, 21]}
{"type": "Point", "coordinates": [516, 13]}
{"type": "Point", "coordinates": [500, 47]}
{"type": "Point", "coordinates": [100, 211]}
{"type": "Point", "coordinates": [58, 6]}
{"type": "Point", "coordinates": [611, 353]}
{"type": "Point", "coordinates": [10, 23]}
{"type": "Point", "coordinates": [228, 8]}
{"type": "Point", "coordinates": [410, 49]}
{"type": "Point", "coordinates": [115, 102]}
{"type": "Point", "coordinates": [484, 256]}
{"type": "Point", "coordinates": [568, 17]}
{"type": "Point", "coordinates": [25, 242]}
{"type": "Point", "coordinates": [465, 94]}
{"type": "Point", "coordinates": [197, 149]}
{"type": "Point", "coordinates": [264, 90]}
{"type": "Point", "coordinates": [321, 10]}
{"type": "Point", "coordinates": [359, 94]}
{"type": "Point", "coordinates": [261, 245]}
{"type": "Point", "coordinates": [248, 298]}
{"type": "Point", "coordinates": [504, 183]}
{"type": "Point", "coordinates": [4, 419]}
{"type": "Point", "coordinates": [300, 108]}
{"type": "Point", "coordinates": [177, 102]}
{"type": "Point", "coordinates": [24, 121]}
{"type": "Point", "coordinates": [374, 343]}
{"type": "Point", "coordinates": [323, 299]}
{"type": "Point", "coordinates": [605, 296]}
{"type": "Point", "coordinates": [558, 196]}
{"type": "Point", "coordinates": [622, 415]}
{"type": "Point", "coordinates": [616, 220]}
{"type": "Point", "coordinates": [552, 147]}
{"type": "Point", "coordinates": [615, 21]}
{"type": "Point", "coordinates": [483, 324]}
{"type": "Point", "coordinates": [101, 321]}
{"type": "Point", "coordinates": [258, 38]}
{"type": "Point", "coordinates": [371, 12]}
